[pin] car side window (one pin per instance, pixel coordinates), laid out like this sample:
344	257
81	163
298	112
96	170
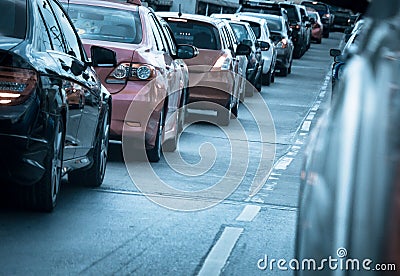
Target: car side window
56	35
43	42
223	38
160	43
71	41
170	39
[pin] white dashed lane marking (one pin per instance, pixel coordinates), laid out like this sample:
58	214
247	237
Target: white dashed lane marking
249	213
220	252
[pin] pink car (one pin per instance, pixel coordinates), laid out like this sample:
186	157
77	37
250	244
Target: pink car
214	73
317	26
149	75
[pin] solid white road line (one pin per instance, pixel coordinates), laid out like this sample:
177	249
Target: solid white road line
220	252
249	213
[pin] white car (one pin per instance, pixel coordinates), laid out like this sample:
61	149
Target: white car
261	30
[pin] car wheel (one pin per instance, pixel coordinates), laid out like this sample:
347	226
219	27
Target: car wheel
182	113
319	40
235	110
273	77
284	72
171	144
266	78
46	190
290	67
93	176
224	114
155	153
258	84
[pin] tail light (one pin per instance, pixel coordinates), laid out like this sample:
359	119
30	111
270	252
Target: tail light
223	63
132	72
16	85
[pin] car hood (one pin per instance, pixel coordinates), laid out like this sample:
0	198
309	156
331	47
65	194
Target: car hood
7	43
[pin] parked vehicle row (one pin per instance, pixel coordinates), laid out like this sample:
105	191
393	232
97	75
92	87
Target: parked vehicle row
71	73
295	15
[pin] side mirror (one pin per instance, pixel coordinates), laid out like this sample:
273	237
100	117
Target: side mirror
243	50
335	53
312	20
103	57
264	45
186	51
289	32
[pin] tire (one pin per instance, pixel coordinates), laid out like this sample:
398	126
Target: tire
273	77
45	192
170	145
235	110
182	113
266	78
93	176
284	72
319	41
154	154
258	84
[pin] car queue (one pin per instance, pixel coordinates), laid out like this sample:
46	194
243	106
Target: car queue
70	74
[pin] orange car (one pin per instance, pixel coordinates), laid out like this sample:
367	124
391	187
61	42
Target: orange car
149	73
214	72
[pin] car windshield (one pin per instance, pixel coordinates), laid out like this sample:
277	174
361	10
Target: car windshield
256	29
260	10
199	34
13	18
240	31
321	9
313	15
107	24
274	25
292	14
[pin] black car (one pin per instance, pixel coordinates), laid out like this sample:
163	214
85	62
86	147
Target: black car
324	12
342	18
54	113
264	7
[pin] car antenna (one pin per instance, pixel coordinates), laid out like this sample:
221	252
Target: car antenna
180	10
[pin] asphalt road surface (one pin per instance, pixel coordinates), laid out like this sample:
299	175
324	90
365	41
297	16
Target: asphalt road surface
116	229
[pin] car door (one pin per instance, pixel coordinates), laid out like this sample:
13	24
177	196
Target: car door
171	74
79	84
235	62
182	73
84	81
